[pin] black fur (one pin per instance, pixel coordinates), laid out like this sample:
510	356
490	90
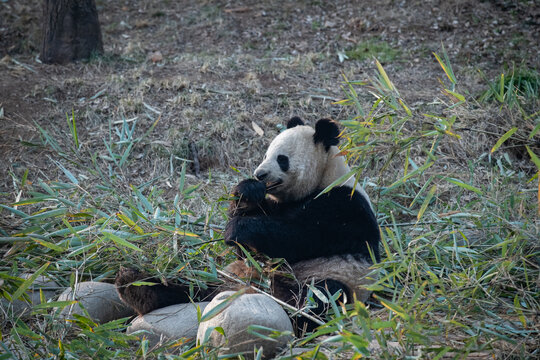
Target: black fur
335	223
283	162
144	299
326	132
294	121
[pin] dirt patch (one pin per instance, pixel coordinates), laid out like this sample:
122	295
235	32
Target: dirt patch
226	66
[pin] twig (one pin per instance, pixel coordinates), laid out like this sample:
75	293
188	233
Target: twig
27	67
282	303
196	164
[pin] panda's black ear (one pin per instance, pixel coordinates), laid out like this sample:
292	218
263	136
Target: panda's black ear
326	132
295	121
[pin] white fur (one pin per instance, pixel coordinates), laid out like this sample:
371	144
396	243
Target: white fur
346	269
311	167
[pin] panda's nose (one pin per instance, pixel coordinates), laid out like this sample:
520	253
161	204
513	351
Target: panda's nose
260	174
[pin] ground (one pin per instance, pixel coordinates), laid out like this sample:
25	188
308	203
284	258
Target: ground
223	75
204	86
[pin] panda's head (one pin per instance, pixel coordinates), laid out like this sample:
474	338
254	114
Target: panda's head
301	160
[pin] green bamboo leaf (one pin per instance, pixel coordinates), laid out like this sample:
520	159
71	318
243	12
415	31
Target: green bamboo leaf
385	77
48	214
503	138
26	284
143	199
456	95
14	211
533	156
426	201
464	185
53	304
337	182
24	178
144	283
251	259
222	305
517	308
534	131
73	128
48	244
394	307
119	241
130	223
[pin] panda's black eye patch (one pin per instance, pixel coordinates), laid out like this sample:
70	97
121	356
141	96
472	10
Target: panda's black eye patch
283	162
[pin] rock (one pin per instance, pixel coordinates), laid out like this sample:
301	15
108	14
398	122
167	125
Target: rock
100	300
246	310
48	288
171	322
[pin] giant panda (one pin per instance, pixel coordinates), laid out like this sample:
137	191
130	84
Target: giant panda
328	240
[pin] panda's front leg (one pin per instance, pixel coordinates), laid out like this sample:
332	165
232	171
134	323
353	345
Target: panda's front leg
274	237
249	199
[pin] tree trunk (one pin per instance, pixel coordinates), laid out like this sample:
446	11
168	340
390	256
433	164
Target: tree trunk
70	31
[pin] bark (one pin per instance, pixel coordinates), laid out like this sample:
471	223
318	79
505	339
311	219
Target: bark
70	31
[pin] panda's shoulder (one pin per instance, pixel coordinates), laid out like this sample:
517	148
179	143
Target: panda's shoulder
345	193
340	198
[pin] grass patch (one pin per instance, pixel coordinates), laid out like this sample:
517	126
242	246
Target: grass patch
371	49
519	86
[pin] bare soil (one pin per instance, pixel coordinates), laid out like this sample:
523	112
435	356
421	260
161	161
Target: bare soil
219	74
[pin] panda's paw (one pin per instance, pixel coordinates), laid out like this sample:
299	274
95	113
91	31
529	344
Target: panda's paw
250	190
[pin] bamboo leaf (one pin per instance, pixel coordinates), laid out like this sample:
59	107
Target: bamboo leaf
533	156
464	185
48	244
130	223
426	201
251	259
341	180
222	305
119	241
394	307
517	307
28	282
385	77
503	138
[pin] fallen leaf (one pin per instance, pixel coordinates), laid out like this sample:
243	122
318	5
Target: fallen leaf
156	57
257	129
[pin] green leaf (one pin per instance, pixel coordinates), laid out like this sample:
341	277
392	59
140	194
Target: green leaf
73	128
48	214
48	244
53	304
386	80
337	182
394	307
517	308
119	241
464	185
533	156
222	305
14	211
251	259
26	284
503	139
426	201
144	283
130	223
